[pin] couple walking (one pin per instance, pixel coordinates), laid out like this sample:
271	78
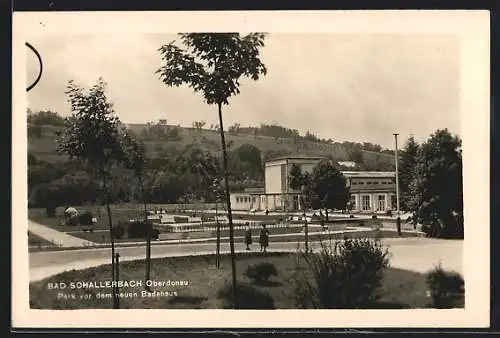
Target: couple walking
263	238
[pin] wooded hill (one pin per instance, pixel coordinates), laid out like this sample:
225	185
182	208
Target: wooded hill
162	139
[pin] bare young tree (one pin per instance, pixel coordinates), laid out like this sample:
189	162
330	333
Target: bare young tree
92	134
213	64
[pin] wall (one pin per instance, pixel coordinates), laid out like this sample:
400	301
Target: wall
273	178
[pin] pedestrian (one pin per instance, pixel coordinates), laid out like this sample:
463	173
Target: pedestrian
267	211
248	235
264	238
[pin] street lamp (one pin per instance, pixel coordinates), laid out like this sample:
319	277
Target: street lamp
398	219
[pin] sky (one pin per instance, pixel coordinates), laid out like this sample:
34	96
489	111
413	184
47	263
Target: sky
347	87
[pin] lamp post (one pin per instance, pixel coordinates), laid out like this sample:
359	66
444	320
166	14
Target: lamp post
398	219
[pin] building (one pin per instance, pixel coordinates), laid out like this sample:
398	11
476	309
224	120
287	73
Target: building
349	164
371	191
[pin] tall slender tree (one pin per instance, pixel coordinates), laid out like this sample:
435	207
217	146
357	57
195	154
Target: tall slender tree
213	64
302	181
407	165
92	134
209	169
136	160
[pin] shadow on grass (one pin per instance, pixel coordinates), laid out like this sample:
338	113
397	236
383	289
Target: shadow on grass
268	283
191	300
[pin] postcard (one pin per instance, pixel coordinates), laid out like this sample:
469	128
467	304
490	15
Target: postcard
329	166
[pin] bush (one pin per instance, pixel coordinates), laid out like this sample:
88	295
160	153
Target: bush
249	297
118	232
73	221
140	229
345	274
446	288
388	213
85	218
260	273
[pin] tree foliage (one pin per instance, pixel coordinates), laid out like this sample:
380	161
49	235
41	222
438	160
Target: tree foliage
92	132
437	187
330	186
407	165
212	63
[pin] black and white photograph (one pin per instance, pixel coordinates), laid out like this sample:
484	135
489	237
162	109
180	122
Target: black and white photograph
252	167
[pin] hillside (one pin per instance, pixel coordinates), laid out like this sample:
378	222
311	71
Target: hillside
43	144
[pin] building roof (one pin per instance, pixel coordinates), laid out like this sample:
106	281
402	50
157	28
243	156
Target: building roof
369	174
297	157
254	190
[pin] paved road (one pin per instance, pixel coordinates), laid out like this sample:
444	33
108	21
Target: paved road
417	254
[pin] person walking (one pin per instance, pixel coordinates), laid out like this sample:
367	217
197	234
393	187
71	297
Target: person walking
264	238
248	235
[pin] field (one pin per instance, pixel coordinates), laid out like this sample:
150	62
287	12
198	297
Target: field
400	288
44	147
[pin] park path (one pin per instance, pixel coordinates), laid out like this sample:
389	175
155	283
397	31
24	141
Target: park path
57	237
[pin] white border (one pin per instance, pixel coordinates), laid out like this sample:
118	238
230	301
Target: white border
473	29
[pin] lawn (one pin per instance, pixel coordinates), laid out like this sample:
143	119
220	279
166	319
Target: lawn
400	288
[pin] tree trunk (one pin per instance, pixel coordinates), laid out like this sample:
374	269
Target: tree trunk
148	240
228	203
326	215
110	225
217	251
306	234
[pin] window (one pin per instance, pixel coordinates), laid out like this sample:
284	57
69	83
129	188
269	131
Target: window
353	202
366	202
381	203
369	182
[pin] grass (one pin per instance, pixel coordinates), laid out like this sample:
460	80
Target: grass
400	289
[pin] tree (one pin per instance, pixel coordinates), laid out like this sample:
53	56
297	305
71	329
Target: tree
211	181
92	134
302	181
45	118
329	185
213	64
136	161
355	155
437	187
198	125
407	164
249	157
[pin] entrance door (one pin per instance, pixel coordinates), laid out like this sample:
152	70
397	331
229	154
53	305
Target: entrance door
381	203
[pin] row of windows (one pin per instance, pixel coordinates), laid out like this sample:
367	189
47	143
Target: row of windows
366	202
248	199
371	182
